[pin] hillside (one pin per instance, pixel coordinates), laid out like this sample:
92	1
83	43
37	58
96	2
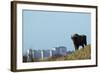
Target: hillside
82	53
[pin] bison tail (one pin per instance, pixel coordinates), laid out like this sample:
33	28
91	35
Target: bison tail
85	40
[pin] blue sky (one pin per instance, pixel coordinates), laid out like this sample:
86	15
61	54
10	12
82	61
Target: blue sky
48	29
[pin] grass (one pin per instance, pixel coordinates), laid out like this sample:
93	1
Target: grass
83	53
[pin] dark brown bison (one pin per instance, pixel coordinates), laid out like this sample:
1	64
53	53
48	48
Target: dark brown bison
79	40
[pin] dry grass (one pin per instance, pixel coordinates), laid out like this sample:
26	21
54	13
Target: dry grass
83	53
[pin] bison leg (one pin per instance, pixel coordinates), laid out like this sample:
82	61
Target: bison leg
83	45
85	42
76	47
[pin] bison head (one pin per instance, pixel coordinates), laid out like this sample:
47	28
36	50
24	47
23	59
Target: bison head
75	36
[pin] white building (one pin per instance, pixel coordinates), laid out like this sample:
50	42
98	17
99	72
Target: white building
29	55
41	54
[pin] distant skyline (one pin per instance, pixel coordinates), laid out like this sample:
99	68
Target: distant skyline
49	29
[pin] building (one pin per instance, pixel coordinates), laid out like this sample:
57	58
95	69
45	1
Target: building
41	54
61	50
46	53
29	55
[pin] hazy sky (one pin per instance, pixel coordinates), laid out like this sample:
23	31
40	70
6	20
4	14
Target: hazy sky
46	29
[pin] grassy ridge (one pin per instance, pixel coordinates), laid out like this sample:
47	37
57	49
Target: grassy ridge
83	53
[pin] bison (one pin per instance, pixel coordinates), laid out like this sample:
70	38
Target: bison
79	40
